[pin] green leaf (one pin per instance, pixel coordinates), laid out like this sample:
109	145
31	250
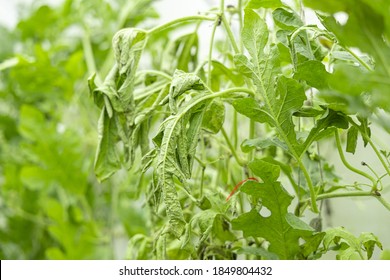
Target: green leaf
251	188
182	148
54	253
298	49
179	133
308	112
108	90
261	143
278	111
204	219
312	243
9	63
352	137
253	110
351	244
254	35
182	82
366	28
106	159
139	247
116	93
214	117
258	251
268	172
313	72
369	242
128	45
385	255
329	120
381	7
281	96
365	128
286	168
221	74
30	121
287	20
349	79
167	167
181	53
221	228
188	58
297	223
331	6
367	36
204	203
256	4
243	65
283	238
195	123
40	23
34	177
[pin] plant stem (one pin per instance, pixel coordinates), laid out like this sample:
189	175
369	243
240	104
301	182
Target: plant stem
345	194
383	201
233	151
235	129
306	27
202	182
155	72
251	136
359	59
177	21
216	23
89	57
368	139
236	89
310	185
353	194
200	66
378	154
230	34
149	90
350	167
368	67
222	6
187	193
240	23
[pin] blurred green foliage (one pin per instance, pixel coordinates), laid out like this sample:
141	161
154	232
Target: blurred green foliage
51	206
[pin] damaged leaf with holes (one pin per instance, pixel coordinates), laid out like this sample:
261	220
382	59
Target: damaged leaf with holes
280	229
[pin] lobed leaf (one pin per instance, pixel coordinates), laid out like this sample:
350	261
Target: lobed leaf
276	229
281	96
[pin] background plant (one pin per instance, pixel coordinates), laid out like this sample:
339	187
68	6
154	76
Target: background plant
184	126
51	206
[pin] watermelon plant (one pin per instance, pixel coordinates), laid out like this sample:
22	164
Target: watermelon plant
232	133
229	147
